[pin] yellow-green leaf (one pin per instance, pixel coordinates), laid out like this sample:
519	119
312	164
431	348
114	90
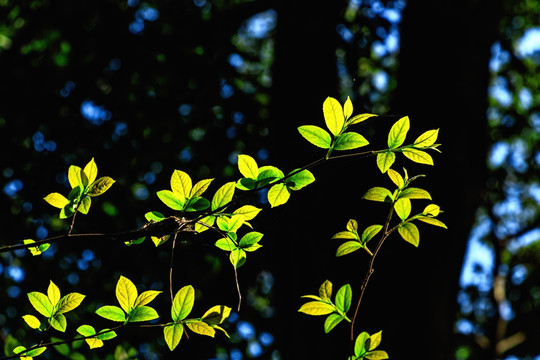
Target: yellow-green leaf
348	108
41	303
59	322
101	185
345	235
348	247
90	171
216	314
278	194
418	156
201	328
224	195
403	208
75	177
331	321
248	166
415	193
84	205
333	115
427	139
370	232
183	303
385	160
378	194
142	313
181	184
432	221
94	343
57	200
32	321
325	290
53	292
146	297
173	335
316	135
431	210
349	141
126	293
375	340
359	118
396	178
69	302
398	132
352	225
200	187
113	313
409	232
377	355
316	308
247	211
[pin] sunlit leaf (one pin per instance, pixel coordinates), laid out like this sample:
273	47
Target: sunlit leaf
75	177
183	303
58	322
250	239
223	196
344	298
53	293
347	108
106	334
113	313
378	194
352	225
360	344
154	216
409	232
385	160
201	328
427	139
90	171
348	247
248	166
84	205
333	115
370	232
345	235
377	355
146	297
300	179
226	244
142	313
200	187
173	335
398	132
126	293
57	200
36	250
325	290
100	186
181	184
278	194
268	174
359	118
396	178
316	308
316	135
414	193
197	204
375	340
237	257
349	141
418	156
69	302
32	321
247	211
331	321
171	199
204	223
432	221
403	208
41	303
431	210
216	314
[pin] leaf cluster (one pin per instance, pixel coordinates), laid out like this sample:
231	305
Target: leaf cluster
365	347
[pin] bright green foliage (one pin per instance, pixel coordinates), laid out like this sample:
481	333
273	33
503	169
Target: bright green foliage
337	120
184	196
355	241
206	325
248	243
36	250
95	339
365	345
29	354
53	307
401	203
132	305
84	186
280	193
322	305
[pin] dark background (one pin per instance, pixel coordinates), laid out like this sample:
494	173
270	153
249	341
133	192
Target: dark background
149	87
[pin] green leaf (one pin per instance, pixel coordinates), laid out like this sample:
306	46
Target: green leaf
154	216
359	118
201	328
100	186
316	308
249	212
113	313
250	239
171	199
226	244
268	174
90	171
181	184
432	221
248	166
427	139
348	247
173	335
208	221
53	293
126	293
378	194
146	297
403	208
331	321
183	303
409	232
197	204
345	235
216	314
246	184
237	257
300	179
377	355
57	200
344	298
414	193
84	205
333	115
431	210
370	232
86	330
200	187
69	302
106	334
360	344
375	340
385	160
36	250
278	194
316	135
142	313
348	108
418	156
352	225
41	303
223	196
398	132
32	321
396	178
31	353
325	290
59	322
349	141
75	177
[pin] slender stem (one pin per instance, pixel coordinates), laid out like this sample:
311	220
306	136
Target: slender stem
171	268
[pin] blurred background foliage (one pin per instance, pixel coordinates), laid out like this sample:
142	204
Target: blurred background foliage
147	87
